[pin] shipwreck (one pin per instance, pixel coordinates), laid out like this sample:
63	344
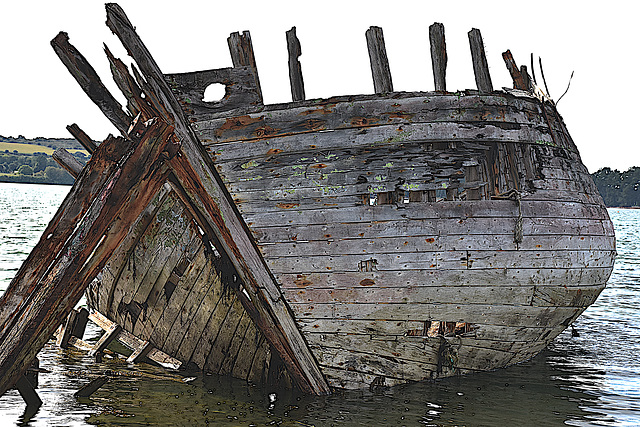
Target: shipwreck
350	242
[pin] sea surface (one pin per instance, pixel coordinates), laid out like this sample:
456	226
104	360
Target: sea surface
584	380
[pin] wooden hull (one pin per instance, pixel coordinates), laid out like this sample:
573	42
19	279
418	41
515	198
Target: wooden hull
414	236
357	241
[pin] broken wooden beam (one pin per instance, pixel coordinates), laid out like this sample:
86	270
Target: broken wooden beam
91	387
479	59
82	138
109	335
295	69
379	62
89	81
516	74
140	347
242	55
438	56
68	162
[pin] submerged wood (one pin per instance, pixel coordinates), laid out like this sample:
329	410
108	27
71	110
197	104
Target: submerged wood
349	242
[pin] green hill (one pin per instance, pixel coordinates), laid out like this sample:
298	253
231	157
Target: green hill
29	160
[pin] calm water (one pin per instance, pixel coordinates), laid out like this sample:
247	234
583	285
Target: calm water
592	379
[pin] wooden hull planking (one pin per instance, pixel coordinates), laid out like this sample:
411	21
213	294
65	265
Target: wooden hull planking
351	242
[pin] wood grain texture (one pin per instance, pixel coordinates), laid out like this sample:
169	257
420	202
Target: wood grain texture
379	63
438	56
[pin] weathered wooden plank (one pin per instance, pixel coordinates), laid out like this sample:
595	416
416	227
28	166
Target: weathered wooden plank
82	138
446	260
134	343
501	315
471	277
187	284
212	311
430	243
207	281
558	233
391	330
101	292
91	387
377	137
241	92
226	331
438	56
480	65
380	71
170	283
295	70
204	341
139	352
326	115
67	161
237	346
28	392
153	284
89	81
199	178
64	333
520	295
500	210
109	335
260	364
138	262
249	347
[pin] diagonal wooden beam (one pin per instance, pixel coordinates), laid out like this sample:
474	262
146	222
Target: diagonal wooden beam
205	191
89	81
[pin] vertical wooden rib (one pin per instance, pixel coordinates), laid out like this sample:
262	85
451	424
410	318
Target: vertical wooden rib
480	65
241	50
438	56
379	62
295	70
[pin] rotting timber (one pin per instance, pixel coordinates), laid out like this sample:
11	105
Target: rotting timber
356	241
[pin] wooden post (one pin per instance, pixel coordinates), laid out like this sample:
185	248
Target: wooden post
516	75
241	50
82	138
68	162
480	65
295	70
89	81
28	392
379	62
438	56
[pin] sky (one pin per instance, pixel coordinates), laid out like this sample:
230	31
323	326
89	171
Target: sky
595	40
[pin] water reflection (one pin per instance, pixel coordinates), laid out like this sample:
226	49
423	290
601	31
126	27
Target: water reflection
589	379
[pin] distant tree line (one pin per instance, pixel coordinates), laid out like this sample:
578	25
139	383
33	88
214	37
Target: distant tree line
37	168
619	189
